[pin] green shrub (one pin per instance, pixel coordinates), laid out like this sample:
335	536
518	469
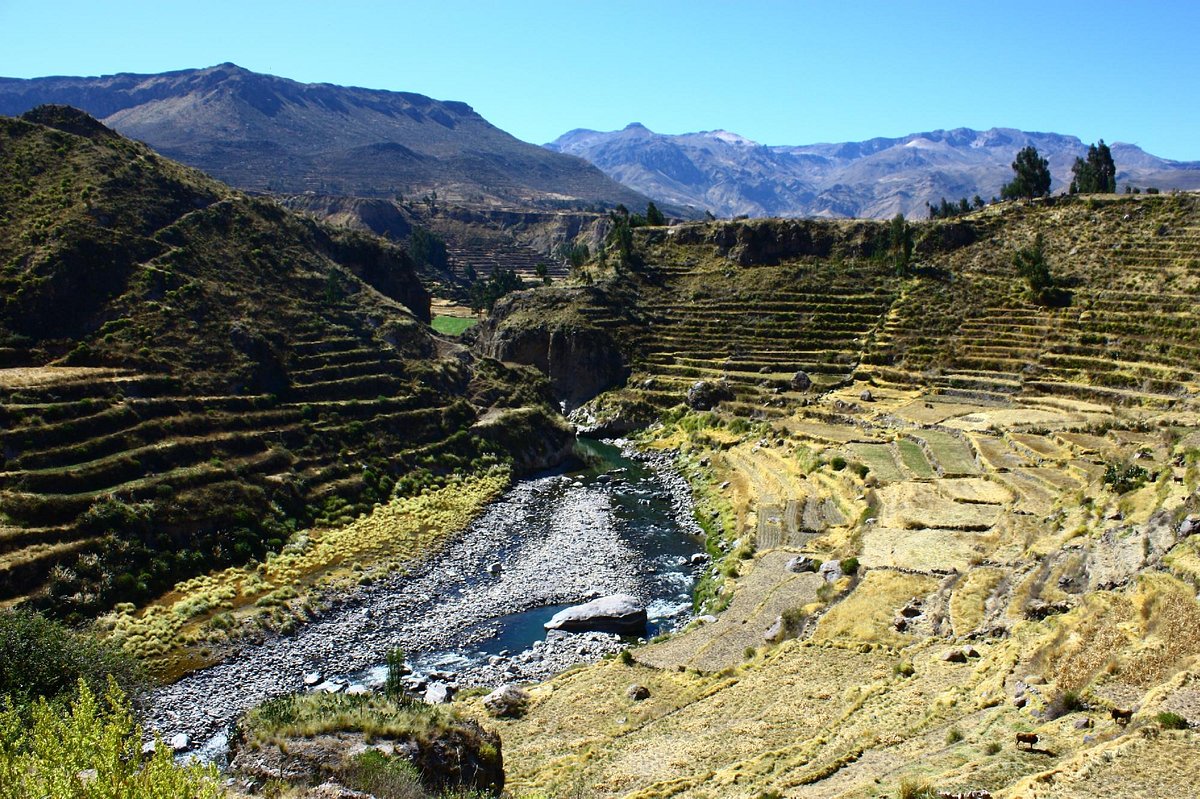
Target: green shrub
51	755
44	659
1064	703
626	657
953	736
903	669
396	669
1171	721
1123	479
849	566
837	463
384	777
991	748
749	652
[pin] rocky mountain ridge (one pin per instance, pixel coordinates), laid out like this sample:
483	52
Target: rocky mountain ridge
265	133
730	175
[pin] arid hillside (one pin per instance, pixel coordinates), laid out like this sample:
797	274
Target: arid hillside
190	375
942	514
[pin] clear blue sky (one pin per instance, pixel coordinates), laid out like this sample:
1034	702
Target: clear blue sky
776	72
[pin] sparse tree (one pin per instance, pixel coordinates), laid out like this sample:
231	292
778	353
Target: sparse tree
1031	176
900	243
654	216
1031	264
542	272
1097	174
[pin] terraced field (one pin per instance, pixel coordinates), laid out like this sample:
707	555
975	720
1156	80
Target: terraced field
982	519
78	442
189	377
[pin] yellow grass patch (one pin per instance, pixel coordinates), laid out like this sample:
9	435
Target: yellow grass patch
866	614
404	529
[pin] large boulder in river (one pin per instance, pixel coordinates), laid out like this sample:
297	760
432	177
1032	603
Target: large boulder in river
619	613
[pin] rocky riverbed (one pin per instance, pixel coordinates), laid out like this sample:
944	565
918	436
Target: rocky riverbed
471	614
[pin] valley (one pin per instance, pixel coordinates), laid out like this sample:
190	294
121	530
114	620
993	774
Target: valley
975	519
906	516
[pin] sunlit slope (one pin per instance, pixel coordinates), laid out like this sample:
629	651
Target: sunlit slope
1003	497
191	373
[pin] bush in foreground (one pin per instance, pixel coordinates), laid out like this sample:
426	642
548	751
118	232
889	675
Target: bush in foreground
90	750
41	658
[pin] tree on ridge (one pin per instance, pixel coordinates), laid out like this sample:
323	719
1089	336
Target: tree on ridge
1031	176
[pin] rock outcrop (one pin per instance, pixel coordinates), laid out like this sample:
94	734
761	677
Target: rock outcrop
619	613
544	330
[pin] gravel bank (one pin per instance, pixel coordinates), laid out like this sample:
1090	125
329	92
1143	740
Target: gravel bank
559	540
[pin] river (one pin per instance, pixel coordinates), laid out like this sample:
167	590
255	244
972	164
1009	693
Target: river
622	524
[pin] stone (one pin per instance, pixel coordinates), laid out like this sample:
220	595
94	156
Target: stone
801	563
1084	723
507	701
970	651
704	395
1038	609
619	613
149	748
774	633
180	742
312	678
707	618
830	570
866	395
1020	701
357	689
438	693
911	610
495	568
801	381
330	687
637	692
699	559
1189	526
954	656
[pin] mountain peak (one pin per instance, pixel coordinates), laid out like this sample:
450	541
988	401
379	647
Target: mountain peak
730	138
731	175
269	133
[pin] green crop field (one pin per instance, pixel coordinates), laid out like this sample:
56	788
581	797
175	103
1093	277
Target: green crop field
453	325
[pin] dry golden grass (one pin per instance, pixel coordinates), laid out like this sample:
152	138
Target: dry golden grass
201	609
839	714
866	614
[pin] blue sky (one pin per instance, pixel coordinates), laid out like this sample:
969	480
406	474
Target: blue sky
776	72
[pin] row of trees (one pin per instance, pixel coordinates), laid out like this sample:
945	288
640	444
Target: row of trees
1097	174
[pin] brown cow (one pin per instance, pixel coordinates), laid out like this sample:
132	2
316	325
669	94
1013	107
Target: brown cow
1029	738
1122	717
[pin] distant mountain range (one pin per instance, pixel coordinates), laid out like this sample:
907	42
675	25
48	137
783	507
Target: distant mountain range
265	133
729	175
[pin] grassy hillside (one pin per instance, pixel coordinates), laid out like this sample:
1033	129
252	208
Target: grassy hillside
1002	497
191	374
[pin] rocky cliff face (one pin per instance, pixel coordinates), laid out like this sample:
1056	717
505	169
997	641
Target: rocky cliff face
543	329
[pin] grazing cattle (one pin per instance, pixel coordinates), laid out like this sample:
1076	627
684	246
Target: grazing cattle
1122	717
1028	738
